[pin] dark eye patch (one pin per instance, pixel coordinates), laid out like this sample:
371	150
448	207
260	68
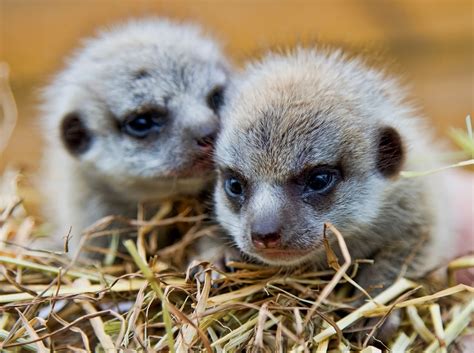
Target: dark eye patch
75	135
140	74
320	180
145	122
235	187
215	98
315	185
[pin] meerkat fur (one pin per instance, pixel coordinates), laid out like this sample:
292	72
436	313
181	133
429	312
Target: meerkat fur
130	120
293	121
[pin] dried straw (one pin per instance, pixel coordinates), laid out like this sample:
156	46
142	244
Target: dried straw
49	302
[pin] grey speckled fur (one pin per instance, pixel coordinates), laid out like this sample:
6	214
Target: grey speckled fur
125	69
308	108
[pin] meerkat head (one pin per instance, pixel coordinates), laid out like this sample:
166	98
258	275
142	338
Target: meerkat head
307	138
138	106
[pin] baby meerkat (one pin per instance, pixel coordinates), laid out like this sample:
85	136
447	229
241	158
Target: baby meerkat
312	137
131	119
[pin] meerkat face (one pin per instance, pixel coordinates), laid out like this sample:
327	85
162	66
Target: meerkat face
303	144
139	106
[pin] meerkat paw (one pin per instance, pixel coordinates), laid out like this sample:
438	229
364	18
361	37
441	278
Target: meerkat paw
198	267
211	256
197	271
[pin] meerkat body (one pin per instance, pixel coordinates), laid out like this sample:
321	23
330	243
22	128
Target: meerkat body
131	119
313	137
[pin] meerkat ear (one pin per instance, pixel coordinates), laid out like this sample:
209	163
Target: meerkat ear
74	134
390	152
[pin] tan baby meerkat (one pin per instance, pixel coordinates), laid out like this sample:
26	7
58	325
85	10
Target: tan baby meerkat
311	137
131	119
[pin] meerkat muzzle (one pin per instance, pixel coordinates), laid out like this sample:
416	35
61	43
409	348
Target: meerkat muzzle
266	241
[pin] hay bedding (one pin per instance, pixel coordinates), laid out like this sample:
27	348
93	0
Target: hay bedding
50	302
138	299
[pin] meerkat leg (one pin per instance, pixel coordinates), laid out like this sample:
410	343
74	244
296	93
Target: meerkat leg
389	264
214	251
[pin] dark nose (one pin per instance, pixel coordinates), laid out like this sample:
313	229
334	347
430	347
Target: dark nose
266	233
204	134
206	142
266	241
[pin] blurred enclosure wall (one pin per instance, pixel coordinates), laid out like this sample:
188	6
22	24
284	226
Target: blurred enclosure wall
429	43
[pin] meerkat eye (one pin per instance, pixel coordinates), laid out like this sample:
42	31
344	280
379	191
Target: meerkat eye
234	187
140	125
322	180
215	98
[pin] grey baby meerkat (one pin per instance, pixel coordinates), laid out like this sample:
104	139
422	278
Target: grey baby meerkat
311	137
131	119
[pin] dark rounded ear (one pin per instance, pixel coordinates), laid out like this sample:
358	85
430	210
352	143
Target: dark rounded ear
74	134
390	152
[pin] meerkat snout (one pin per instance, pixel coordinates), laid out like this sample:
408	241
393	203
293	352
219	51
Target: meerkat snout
266	240
132	118
204	134
313	137
265	231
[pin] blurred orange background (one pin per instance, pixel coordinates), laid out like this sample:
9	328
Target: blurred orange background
428	43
